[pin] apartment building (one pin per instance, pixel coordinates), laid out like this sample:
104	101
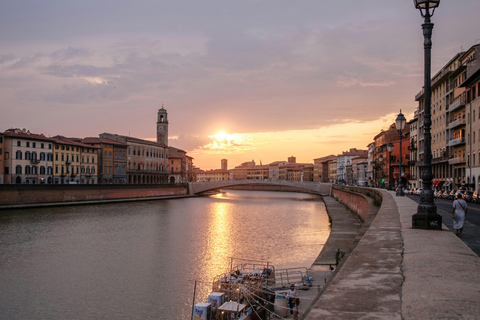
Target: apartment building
472	91
147	161
320	168
2	158
27	157
413	151
448	115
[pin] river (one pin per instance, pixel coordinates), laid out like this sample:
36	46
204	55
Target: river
140	260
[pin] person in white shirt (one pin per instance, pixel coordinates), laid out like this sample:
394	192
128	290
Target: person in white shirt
291	296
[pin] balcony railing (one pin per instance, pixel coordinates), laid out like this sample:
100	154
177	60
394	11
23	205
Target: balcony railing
457	123
456	142
34	161
440	159
457	103
69	161
456	160
418	95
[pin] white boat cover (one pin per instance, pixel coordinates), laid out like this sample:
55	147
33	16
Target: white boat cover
232	306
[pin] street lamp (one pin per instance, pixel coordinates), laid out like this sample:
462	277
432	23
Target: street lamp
365	172
400	123
427	216
390	148
380	160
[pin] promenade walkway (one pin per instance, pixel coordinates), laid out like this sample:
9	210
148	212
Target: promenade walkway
396	272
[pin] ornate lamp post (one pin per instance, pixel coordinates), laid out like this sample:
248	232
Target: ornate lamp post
400	123
380	160
365	172
390	148
427	216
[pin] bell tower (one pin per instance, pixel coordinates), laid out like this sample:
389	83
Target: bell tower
162	126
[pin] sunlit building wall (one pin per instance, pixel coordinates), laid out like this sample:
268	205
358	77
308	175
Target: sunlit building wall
472	86
27	157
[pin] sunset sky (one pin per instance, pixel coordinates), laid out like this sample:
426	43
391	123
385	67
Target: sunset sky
278	78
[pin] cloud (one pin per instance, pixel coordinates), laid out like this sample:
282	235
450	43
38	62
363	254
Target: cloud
351	81
70	53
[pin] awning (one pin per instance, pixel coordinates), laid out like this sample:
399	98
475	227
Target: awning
232	306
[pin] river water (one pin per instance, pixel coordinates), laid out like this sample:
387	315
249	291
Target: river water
140	260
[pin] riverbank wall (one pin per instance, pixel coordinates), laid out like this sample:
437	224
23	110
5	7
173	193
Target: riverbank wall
11	195
358	200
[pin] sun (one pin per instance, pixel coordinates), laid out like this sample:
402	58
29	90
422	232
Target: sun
221	136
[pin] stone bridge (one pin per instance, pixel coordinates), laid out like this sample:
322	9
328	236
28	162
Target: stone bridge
321	188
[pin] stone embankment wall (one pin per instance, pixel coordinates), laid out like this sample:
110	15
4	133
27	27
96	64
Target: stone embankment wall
36	194
357	199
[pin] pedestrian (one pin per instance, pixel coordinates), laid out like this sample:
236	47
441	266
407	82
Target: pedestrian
291	296
295	312
459	213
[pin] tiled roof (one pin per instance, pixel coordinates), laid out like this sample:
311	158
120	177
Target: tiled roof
101	140
26	134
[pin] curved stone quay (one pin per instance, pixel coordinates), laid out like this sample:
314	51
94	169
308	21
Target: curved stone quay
396	272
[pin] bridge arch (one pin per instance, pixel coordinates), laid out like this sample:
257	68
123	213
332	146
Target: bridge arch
325	189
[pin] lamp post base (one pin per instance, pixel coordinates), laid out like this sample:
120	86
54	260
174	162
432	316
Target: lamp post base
431	221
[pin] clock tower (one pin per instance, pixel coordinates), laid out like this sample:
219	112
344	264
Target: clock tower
162	126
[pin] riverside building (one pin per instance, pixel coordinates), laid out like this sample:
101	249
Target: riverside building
26	157
472	88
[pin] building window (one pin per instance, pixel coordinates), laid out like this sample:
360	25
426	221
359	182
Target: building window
28	144
18	155
19	143
34	144
18	169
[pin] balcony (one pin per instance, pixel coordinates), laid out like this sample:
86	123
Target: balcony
69	162
34	161
419	95
457	103
457	123
456	142
440	160
456	160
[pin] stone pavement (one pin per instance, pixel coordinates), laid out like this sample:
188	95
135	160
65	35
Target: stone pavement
396	272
